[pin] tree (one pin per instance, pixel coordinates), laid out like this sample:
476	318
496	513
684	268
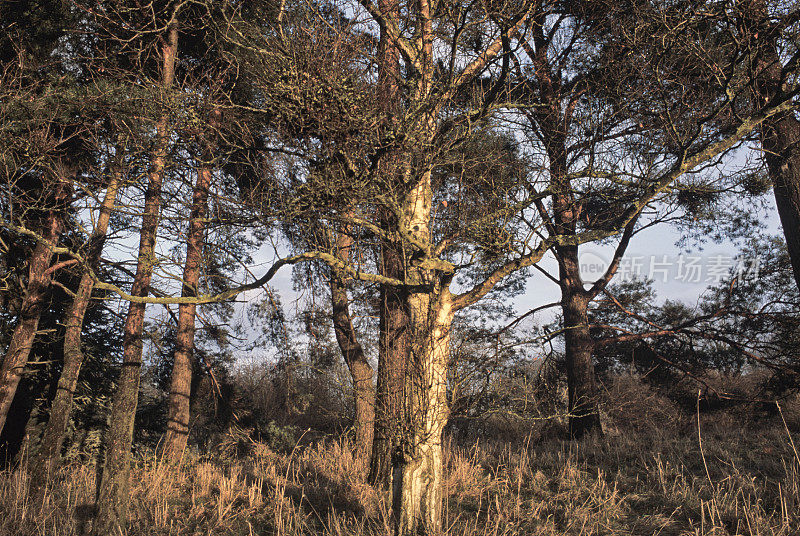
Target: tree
112	498
42	156
745	323
763	28
180	390
61	408
607	108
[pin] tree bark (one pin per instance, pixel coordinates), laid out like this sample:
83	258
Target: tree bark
353	353
393	342
584	415
33	303
780	134
418	473
417	468
780	139
113	492
49	454
393	350
181	385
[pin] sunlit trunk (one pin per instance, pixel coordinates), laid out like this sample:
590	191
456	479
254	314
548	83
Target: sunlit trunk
181	384
49	453
418	473
113	492
417	468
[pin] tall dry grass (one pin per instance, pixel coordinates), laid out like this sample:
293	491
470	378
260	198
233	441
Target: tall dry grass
730	479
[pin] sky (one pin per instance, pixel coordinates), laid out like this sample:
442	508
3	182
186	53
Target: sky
678	273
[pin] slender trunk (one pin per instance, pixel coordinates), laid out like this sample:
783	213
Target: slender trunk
584	416
39	277
49	454
180	389
353	353
360	369
393	350
780	134
113	492
393	343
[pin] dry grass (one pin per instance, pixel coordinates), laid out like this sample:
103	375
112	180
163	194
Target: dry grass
634	483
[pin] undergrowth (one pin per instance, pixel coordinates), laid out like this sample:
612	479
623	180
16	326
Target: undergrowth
723	483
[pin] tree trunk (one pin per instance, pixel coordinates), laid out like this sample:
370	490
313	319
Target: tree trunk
780	139
393	350
39	277
418	473
417	469
584	416
780	134
113	492
49	454
554	124
360	369
180	389
393	342
353	353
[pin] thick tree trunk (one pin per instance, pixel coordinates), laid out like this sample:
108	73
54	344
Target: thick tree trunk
584	416
49	454
780	134
180	389
780	139
353	353
417	469
39	277
393	343
113	492
418	474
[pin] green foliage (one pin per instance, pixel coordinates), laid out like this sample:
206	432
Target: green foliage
281	438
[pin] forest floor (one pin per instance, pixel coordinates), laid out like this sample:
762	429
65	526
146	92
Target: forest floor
736	476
